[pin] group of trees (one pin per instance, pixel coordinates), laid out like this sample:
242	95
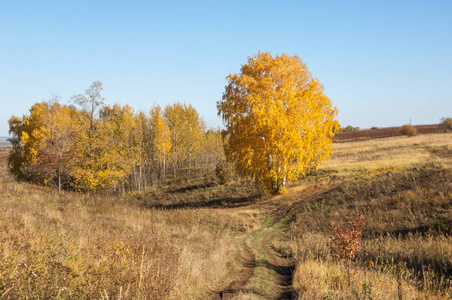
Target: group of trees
279	126
348	128
91	146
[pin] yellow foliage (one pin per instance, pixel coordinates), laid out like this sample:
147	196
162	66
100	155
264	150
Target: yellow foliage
161	134
42	142
279	123
91	146
187	132
105	141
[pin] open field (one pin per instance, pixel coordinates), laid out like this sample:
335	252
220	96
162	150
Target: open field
404	185
3	157
4	143
204	240
378	133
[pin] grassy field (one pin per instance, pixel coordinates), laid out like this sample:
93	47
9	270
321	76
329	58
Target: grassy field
3	157
4	143
404	185
203	240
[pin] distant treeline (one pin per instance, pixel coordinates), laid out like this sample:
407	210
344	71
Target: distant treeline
90	146
348	128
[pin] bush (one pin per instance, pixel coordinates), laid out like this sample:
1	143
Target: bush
225	171
349	129
408	130
446	124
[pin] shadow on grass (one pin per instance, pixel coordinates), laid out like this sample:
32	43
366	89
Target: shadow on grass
285	274
441	226
437	269
207	194
226	202
194	187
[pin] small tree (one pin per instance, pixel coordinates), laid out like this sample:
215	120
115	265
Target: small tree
43	148
349	128
346	240
446	124
408	130
224	171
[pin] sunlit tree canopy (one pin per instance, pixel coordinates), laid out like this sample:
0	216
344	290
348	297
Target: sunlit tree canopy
279	123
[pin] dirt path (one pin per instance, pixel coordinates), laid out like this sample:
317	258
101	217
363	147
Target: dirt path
284	266
267	264
266	273
248	262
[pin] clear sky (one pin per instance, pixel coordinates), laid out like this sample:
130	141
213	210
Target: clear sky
381	62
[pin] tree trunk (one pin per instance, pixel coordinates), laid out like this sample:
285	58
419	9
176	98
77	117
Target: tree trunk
348	271
59	181
59	172
141	178
164	168
189	165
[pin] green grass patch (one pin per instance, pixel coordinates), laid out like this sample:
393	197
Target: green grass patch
268	221
287	219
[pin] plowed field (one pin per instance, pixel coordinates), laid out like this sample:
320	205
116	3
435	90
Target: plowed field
378	133
3	157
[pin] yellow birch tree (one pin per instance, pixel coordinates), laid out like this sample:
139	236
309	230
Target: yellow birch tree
279	123
187	130
56	155
161	138
94	169
122	142
43	144
28	134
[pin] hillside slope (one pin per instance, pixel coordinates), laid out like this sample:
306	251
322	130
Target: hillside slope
204	240
403	186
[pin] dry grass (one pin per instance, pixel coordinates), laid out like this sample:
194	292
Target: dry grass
3	157
319	276
328	280
397	152
405	186
184	241
78	246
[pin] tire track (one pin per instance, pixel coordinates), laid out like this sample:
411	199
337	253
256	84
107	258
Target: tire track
284	267
248	262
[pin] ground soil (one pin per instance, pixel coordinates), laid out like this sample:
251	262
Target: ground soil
284	266
248	262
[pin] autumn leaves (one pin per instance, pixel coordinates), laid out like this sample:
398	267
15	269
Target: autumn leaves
279	123
279	126
90	146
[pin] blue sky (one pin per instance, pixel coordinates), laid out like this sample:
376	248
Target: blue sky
381	62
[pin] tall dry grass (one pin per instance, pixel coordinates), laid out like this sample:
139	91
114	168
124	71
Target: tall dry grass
73	246
183	241
404	185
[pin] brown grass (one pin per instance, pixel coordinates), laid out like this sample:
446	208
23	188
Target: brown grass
4	157
404	185
185	241
78	246
380	133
